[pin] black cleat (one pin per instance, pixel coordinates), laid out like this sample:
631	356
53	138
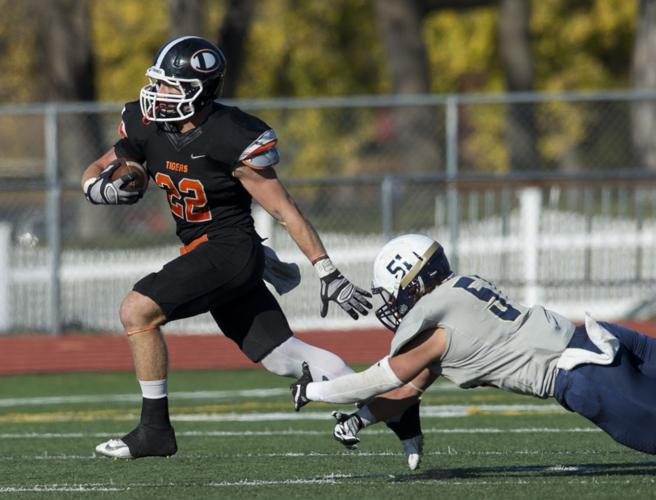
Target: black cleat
143	441
298	388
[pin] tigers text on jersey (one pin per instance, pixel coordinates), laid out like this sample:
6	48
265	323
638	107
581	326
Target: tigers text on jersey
195	168
490	341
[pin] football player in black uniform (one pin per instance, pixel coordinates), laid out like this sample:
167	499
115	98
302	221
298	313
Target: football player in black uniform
211	160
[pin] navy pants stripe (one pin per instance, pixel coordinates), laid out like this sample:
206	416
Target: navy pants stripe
620	398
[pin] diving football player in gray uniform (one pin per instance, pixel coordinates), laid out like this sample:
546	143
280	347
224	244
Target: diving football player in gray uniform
464	328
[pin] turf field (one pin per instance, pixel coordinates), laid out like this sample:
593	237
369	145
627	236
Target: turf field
238	437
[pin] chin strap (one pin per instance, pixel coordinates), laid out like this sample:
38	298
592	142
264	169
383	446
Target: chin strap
134	331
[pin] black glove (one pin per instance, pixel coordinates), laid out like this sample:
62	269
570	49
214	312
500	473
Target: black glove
337	288
298	388
346	429
102	190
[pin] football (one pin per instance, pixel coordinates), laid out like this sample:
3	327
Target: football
140	183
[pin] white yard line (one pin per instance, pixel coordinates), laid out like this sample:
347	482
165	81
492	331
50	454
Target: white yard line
245	433
427	411
52	488
135	397
114	398
329	479
47	488
313	454
436	411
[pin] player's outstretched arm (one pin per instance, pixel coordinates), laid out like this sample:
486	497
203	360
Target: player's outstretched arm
265	188
422	352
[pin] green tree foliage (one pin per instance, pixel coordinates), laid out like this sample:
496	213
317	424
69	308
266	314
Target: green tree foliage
583	44
462	51
311	48
577	45
126	35
464	58
17	45
315	49
300	48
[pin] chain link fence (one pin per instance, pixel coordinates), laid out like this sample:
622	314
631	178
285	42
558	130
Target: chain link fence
546	194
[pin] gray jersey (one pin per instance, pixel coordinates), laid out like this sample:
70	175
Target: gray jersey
491	341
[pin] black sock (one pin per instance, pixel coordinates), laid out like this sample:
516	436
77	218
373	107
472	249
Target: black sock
409	425
154	436
155	413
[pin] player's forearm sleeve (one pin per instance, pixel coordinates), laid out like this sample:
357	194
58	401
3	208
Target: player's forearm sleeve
376	379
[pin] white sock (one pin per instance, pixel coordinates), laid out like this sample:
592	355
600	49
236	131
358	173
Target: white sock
154	389
287	358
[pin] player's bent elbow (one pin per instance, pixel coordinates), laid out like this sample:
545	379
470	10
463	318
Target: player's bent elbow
407	391
406	367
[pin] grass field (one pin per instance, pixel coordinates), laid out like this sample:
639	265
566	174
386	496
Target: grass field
238	437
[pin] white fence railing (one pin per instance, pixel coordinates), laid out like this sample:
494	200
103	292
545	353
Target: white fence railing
547	256
571	245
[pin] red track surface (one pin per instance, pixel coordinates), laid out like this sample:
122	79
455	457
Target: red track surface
44	354
47	354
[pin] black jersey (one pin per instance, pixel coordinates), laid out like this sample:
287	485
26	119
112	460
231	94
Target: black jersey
195	168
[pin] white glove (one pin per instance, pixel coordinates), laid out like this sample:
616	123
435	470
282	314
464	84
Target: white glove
336	288
346	428
102	190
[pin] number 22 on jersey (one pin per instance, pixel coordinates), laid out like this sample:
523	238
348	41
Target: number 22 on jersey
187	200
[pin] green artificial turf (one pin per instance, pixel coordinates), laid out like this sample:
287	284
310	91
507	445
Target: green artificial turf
239	444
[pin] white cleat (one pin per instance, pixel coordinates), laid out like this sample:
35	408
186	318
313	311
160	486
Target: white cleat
413	448
413	461
114	448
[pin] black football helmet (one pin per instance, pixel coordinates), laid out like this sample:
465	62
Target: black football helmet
192	65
